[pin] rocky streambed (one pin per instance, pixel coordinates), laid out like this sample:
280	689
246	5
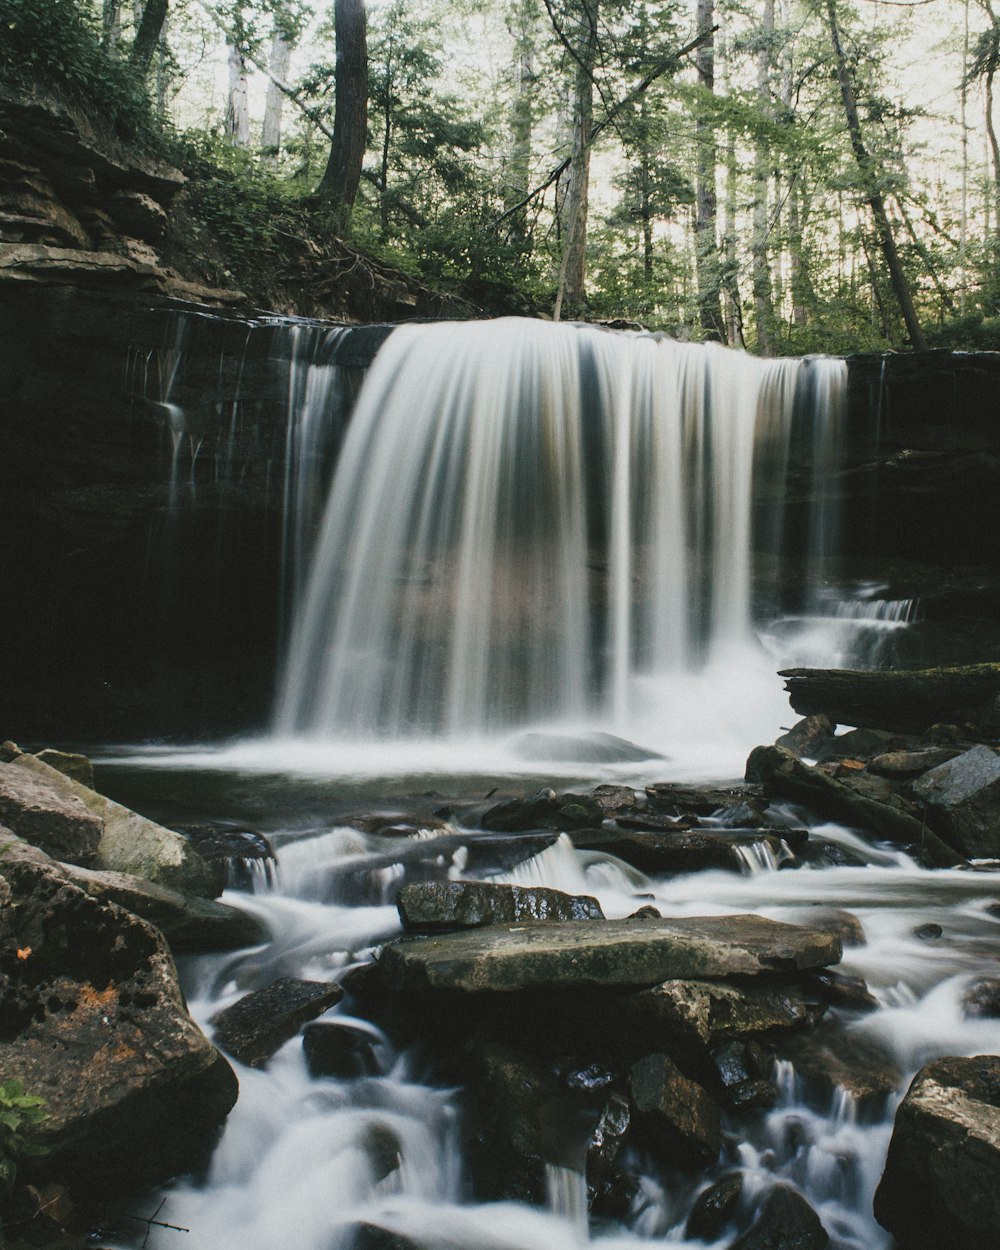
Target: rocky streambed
660	1011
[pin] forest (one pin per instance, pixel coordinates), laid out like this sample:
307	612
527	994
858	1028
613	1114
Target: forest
790	176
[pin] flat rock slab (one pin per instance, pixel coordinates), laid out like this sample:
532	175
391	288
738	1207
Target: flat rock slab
252	1029
432	906
610	954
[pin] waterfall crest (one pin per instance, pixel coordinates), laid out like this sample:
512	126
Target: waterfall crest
527	519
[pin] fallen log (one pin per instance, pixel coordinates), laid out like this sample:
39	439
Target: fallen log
902	700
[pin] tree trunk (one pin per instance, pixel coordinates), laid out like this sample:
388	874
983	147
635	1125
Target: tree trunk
522	25
338	188
274	102
705	230
763	295
147	37
902	701
573	270
873	195
237	120
111	23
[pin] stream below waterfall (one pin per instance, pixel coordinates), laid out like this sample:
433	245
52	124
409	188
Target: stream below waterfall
299	1163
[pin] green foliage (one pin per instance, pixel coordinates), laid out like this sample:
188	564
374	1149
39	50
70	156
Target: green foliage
240	199
18	1113
56	44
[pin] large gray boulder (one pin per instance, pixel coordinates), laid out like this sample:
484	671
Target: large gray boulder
128	842
52	818
962	800
941	1184
93	1021
623	954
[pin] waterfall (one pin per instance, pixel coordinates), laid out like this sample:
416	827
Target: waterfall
529	521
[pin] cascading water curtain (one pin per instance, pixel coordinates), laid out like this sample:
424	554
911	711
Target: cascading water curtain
526	517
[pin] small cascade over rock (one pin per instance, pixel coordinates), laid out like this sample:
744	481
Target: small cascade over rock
529	520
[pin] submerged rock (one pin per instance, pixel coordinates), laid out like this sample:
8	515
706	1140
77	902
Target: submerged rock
714	1208
335	1049
588	748
431	906
252	1029
940	1186
689	851
92	1020
786	1222
830	1058
613	953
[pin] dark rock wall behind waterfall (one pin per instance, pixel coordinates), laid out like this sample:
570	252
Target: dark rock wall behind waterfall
137	606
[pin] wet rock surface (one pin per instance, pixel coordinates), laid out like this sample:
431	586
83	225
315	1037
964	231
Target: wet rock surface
786	1222
252	1029
92	1020
678	1120
939	1187
962	799
49	817
622	953
427	907
129	842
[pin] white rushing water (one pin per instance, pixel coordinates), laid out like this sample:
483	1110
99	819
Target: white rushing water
536	523
304	1161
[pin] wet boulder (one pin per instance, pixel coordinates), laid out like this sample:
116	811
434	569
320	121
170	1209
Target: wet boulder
611	954
335	1049
93	1021
71	763
939	1187
683	851
433	906
187	921
256	1026
587	748
807	737
907	765
962	801
787	777
524	1120
714	1208
243	854
707	1011
47	816
129	842
676	799
829	1058
786	1222
675	1118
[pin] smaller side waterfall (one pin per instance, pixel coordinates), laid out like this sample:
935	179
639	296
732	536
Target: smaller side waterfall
528	519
